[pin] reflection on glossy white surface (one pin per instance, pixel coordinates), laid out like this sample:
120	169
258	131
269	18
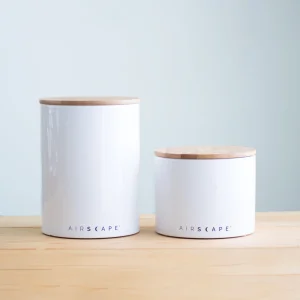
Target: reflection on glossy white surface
205	198
90	166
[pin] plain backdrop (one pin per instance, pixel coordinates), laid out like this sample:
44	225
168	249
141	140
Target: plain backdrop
207	73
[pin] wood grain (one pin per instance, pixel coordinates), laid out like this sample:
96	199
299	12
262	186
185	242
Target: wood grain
89	101
265	265
205	152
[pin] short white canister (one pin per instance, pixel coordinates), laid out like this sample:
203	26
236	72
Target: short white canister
90	166
205	192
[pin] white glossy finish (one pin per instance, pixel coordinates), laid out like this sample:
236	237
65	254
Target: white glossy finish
208	198
90	166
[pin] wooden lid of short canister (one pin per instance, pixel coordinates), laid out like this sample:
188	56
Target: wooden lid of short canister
205	152
90	101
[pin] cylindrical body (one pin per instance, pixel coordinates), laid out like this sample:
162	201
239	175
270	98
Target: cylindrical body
90	166
205	197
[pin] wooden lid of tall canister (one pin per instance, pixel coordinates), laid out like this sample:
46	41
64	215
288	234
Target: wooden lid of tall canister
89	101
205	152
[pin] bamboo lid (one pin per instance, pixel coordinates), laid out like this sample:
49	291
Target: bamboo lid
205	152
89	101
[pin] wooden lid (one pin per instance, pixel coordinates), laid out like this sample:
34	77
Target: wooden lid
205	152
88	101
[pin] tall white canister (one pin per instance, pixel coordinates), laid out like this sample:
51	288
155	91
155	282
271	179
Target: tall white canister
205	192
90	166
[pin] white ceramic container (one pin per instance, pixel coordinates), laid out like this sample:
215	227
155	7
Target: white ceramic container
205	192
90	165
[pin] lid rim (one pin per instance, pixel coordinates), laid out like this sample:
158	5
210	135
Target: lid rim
205	152
89	101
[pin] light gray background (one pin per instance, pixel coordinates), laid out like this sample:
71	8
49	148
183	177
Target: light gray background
208	72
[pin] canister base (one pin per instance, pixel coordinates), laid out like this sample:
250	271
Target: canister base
88	237
204	238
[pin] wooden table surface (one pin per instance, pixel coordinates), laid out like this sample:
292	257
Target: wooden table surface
265	265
